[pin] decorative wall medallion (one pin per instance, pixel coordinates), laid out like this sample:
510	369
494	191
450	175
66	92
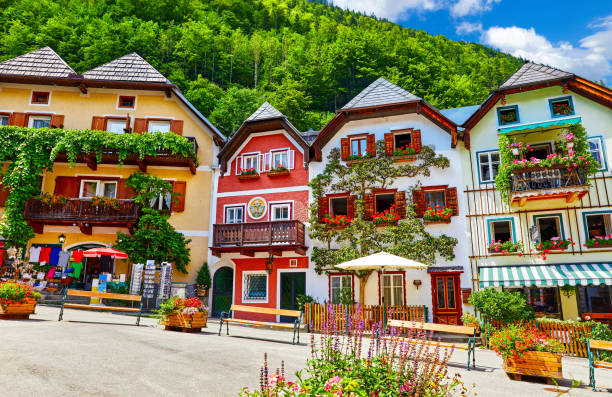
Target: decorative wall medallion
257	208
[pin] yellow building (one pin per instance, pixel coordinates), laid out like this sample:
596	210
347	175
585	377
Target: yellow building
126	95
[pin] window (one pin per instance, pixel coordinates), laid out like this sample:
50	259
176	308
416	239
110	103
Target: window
508	115
280	159
384	202
338	206
402	141
560	107
435	198
488	165
595	299
249	162
280	212
255	287
549	227
598	224
234	214
539	151
543	300
501	230
39	121
40	98
158	126
127	102
597	151
163	202
393	289
4	118
445	292
116	126
91	188
359	146
341	285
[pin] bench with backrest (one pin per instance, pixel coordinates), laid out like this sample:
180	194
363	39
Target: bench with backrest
451	329
226	317
593	347
101	295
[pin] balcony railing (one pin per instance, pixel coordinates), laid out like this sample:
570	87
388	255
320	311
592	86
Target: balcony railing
554	181
259	236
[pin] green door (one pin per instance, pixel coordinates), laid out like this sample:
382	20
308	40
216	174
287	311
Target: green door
223	287
292	285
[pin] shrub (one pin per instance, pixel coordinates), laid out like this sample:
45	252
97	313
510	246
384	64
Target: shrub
203	278
516	339
502	306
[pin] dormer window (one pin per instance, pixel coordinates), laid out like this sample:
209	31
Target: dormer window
561	107
127	102
508	115
40	98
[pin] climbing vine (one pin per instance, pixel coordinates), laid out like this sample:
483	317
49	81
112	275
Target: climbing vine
31	152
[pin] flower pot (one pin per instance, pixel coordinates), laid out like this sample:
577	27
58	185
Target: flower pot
534	363
203	292
18	311
185	322
515	151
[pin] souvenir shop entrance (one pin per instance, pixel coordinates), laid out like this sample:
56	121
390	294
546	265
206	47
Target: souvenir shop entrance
91	267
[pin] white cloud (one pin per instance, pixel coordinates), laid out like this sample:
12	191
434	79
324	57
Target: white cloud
468	27
393	10
470	7
591	59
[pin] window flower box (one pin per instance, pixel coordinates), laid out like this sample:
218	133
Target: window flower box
336	221
278	171
251	173
357	158
554	244
506	248
386	218
599	242
437	215
404	154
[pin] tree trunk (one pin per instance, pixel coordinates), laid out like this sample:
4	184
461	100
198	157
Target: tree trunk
363	279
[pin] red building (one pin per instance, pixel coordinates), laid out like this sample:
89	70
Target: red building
259	236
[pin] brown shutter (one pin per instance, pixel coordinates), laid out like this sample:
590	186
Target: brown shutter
389	143
124	191
323	206
176	126
98	123
419	200
67	186
178	195
451	200
416	140
351	206
344	148
57	121
369	205
18	119
400	204
127	125
4	192
372	144
140	126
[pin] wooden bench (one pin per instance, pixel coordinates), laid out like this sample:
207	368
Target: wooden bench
451	329
226	317
594	346
102	295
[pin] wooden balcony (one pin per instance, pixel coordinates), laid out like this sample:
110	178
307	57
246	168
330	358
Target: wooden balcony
536	183
80	212
248	238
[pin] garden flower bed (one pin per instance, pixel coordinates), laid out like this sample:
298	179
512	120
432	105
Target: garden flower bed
17	301
186	315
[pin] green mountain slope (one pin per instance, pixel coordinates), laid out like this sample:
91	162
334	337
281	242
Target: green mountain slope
306	58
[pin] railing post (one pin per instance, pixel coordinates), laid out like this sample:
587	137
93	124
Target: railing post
241	234
424	313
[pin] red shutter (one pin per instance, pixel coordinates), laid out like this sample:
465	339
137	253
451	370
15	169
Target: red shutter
176	126
416	140
178	195
124	191
344	148
323	206
351	206
418	196
140	126
451	200
67	186
18	119
369	206
4	192
400	204
57	121
389	144
98	123
371	144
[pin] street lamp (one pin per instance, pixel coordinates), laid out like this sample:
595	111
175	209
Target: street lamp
62	238
270	264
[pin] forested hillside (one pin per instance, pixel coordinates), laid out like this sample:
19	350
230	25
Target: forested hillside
306	58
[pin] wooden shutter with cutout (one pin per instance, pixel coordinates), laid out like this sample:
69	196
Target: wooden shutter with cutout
178	195
323	207
368	202
400	204
351	206
418	196
4	192
124	191
57	121
451	199
67	186
389	143
371	144
416	140
344	148
176	126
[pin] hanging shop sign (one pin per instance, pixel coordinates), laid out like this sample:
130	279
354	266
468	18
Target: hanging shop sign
257	208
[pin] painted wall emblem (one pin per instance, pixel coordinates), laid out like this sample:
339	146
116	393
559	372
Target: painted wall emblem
257	208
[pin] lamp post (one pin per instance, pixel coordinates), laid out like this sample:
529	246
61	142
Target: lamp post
270	264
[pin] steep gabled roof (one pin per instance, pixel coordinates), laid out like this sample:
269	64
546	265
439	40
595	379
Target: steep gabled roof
380	92
131	67
533	73
43	62
265	111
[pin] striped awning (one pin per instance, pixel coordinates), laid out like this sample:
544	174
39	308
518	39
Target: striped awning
546	275
539	126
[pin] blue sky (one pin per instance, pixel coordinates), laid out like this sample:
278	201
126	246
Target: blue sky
575	36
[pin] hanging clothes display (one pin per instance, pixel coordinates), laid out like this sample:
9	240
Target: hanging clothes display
45	252
78	268
34	254
77	255
63	259
106	264
54	255
51	273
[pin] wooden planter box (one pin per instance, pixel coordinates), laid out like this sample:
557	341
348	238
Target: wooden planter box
18	311
404	158
543	364
278	173
186	322
357	161
427	222
243	177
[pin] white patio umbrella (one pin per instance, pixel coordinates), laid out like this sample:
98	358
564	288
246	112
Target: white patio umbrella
381	261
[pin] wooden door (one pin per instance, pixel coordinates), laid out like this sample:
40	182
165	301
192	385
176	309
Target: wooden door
223	287
446	298
292	284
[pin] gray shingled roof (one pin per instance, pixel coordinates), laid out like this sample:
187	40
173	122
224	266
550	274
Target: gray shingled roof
43	62
265	111
310	135
380	92
459	115
531	73
131	67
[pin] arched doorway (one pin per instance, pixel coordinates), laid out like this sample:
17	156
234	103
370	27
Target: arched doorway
223	288
91	266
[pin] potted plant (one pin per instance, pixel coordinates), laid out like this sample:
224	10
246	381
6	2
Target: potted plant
17	301
103	201
528	351
336	220
279	170
506	247
186	315
386	217
203	280
405	153
470	320
51	200
250	173
438	214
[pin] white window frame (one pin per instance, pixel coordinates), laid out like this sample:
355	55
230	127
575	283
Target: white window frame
342	286
601	150
278	152
8	117
153	122
392	287
246	157
231	207
32	118
160	200
489	163
99	186
111	120
245	275
287	205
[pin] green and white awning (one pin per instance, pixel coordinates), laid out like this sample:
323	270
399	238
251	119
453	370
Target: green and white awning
546	275
540	126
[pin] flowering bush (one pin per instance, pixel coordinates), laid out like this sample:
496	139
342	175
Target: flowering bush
367	155
404	150
15	293
336	220
520	147
52	200
438	214
506	247
599	241
469	318
345	365
177	305
386	216
555	243
249	171
103	201
516	339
